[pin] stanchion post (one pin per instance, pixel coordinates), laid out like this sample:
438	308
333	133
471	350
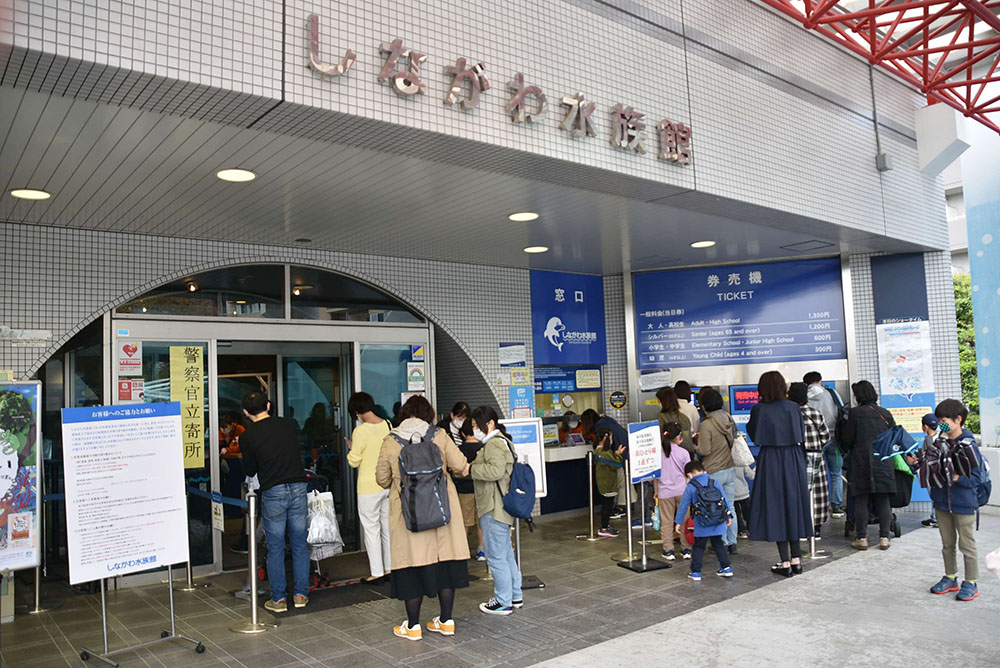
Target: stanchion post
590	538
813	552
40	606
253	625
643	565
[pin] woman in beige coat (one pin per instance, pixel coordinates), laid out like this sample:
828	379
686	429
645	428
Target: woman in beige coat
431	562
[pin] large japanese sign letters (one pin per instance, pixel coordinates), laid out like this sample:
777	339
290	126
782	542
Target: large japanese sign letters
187	387
527	103
567	318
740	314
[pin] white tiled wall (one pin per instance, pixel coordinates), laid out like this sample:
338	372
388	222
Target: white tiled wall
780	116
941	313
68	278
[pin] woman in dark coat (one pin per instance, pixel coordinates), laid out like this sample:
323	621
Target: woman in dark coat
779	505
869	478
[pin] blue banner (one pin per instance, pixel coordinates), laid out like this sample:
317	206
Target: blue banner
130	412
567	318
740	314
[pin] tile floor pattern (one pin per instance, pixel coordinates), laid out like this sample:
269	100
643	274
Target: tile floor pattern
587	599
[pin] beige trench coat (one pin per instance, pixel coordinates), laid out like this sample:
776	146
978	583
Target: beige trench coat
409	548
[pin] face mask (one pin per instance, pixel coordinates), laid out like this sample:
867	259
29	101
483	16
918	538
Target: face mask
944	427
480	436
573	424
457	423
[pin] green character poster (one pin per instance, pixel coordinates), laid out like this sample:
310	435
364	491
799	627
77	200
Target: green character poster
19	446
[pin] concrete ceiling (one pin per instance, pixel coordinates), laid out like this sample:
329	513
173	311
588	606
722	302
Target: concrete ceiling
128	170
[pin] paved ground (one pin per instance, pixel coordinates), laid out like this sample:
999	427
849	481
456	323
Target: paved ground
587	600
872	609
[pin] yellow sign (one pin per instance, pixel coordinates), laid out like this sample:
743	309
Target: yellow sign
6	374
187	386
587	379
910	418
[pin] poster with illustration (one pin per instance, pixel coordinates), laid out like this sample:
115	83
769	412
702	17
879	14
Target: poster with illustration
20	437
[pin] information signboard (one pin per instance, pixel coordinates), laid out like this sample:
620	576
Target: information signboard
529	443
20	442
125	505
644	450
567	318
740	314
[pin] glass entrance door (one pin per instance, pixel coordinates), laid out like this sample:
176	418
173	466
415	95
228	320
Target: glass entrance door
163	371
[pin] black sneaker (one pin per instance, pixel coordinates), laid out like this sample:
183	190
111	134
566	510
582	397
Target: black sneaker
493	607
929	523
618	514
732	548
517	605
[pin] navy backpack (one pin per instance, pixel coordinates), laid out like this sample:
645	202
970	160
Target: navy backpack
519	500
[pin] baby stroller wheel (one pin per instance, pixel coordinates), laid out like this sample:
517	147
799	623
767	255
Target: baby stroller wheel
894	525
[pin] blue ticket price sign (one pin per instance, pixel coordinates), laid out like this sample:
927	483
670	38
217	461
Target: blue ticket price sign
742	399
740	314
567	318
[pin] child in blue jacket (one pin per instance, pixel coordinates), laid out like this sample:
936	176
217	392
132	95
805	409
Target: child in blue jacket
703	532
956	504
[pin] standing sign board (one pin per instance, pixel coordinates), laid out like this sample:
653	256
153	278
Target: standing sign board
740	314
125	505
20	471
567	318
644	451
530	447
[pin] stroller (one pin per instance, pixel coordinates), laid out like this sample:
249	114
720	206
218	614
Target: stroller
317	551
904	490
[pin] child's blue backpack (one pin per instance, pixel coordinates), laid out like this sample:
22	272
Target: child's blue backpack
710	504
519	500
981	481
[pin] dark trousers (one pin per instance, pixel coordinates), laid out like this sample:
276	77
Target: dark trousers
742	514
789	549
607	506
698	552
882	509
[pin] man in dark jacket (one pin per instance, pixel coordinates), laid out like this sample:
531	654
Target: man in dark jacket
870	478
271	452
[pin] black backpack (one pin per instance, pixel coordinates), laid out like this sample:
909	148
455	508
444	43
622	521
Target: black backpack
710	504
423	490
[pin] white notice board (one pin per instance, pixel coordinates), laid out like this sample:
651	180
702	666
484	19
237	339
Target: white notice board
530	447
644	450
125	505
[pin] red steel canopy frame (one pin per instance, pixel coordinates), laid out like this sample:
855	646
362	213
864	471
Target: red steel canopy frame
932	44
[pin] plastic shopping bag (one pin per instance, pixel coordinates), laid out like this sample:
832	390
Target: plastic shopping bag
993	562
323	528
741	451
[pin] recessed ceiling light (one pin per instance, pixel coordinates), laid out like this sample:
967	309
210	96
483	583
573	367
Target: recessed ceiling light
241	301
523	217
703	244
236	175
28	193
303	240
192	287
536	249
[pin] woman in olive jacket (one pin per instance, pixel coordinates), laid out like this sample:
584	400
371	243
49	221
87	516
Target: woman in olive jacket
868	477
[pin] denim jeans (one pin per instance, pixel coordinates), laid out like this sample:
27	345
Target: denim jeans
726	479
285	507
834	464
500	559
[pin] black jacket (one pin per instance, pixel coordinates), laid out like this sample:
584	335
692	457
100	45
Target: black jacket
866	474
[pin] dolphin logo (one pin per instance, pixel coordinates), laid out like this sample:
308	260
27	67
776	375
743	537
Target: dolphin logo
553	330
